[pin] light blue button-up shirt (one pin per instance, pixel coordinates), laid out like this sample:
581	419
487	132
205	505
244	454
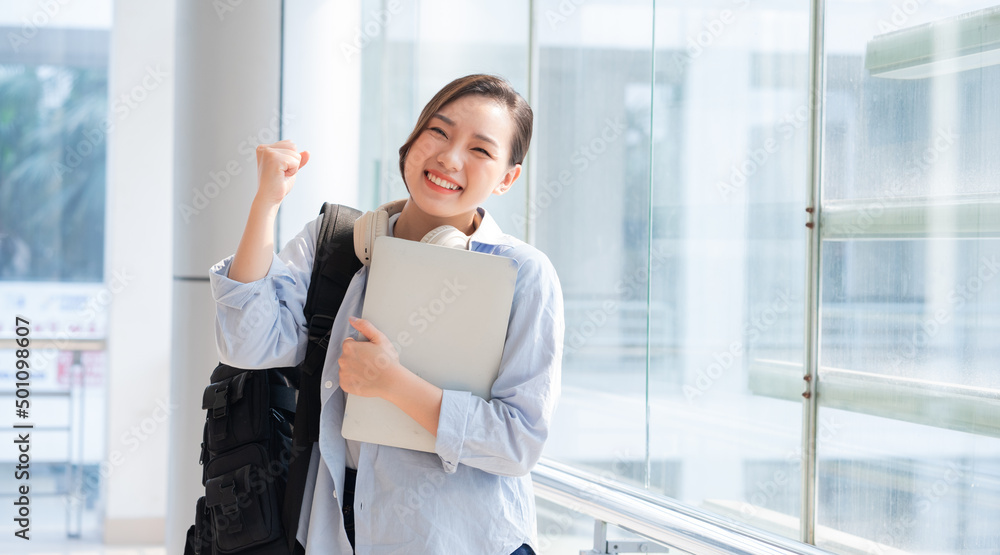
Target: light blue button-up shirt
473	495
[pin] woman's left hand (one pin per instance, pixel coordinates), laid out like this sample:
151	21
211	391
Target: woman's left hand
369	368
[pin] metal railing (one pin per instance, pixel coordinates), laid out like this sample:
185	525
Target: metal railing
662	520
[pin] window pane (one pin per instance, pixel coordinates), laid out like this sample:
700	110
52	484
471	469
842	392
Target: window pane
55	124
424	46
887	485
916	309
590	213
52	162
730	127
926	133
909	296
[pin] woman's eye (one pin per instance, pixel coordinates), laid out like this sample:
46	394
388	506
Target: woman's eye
438	130
483	151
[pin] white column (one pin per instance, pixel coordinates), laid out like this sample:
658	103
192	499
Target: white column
137	272
321	100
228	75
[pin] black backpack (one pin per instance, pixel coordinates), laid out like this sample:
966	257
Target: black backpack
258	437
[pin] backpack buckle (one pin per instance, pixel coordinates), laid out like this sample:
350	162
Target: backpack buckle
319	327
221	402
229	502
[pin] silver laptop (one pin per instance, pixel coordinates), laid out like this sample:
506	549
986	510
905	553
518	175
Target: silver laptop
446	312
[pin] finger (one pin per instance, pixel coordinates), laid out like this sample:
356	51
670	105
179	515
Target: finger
346	386
285	147
298	161
287	150
291	164
278	147
367	329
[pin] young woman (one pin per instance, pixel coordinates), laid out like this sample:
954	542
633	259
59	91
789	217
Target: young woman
472	495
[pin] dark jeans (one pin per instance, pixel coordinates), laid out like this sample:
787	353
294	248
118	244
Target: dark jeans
350	479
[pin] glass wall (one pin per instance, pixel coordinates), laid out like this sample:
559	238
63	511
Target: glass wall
728	256
589	212
421	47
668	181
910	308
54	125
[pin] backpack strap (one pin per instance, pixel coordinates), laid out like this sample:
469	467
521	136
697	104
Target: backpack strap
334	266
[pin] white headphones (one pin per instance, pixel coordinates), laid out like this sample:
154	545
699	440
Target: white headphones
375	224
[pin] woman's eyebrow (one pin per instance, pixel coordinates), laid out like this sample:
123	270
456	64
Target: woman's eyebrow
444	119
479	136
486	139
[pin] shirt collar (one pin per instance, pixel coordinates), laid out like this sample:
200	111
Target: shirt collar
487	233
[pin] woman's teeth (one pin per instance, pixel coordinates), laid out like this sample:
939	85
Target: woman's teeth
442	183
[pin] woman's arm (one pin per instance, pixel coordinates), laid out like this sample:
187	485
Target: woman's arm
506	434
372	369
277	165
259	322
254	253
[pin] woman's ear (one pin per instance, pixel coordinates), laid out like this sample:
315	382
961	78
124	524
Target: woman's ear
508	179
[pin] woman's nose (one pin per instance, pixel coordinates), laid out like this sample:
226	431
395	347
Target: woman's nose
450	159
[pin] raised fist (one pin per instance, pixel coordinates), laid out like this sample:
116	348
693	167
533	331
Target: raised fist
277	164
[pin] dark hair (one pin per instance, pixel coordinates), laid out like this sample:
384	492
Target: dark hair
488	86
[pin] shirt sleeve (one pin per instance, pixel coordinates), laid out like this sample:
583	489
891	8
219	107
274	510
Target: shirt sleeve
260	324
505	435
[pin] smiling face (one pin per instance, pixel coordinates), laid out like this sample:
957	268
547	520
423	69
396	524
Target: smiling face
459	159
